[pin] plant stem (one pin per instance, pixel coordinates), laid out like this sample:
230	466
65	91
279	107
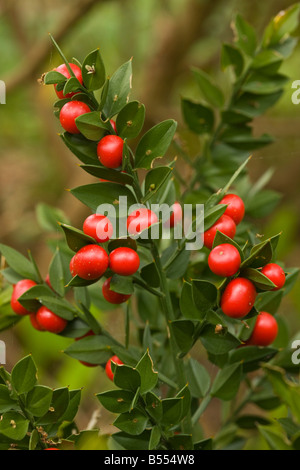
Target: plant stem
167	306
204	404
145	286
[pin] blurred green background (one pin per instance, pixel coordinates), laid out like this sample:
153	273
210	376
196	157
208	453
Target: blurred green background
165	38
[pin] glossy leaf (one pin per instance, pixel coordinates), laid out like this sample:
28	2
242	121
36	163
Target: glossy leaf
119	88
130	120
199	119
93	71
24	375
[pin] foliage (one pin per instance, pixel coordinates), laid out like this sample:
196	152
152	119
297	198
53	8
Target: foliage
161	391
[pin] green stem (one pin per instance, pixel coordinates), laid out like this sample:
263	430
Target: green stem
62	55
198	413
167	307
145	286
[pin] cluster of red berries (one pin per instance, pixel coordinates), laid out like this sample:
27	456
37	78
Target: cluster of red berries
92	261
110	147
240	293
43	319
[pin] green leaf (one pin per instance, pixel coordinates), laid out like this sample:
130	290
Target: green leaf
187	305
245	35
198	378
154	144
13	425
18	262
133	423
24	375
206	444
282	25
108	174
72	409
266	58
127	442
218	343
231	56
119	89
48	217
259	280
59	405
211	93
154	438
172	411
84	149
205	295
34	440
76	239
93	71
127	378
150	274
199	119
154	181
185	395
38	400
227	382
251	421
116	401
130	120
34	297
252	105
269	301
57	273
7	403
274	439
122	284
149	377
154	406
260	255
260	84
93	195
53	77
263	203
92	349
91	126
72	85
183	331
213	214
251	357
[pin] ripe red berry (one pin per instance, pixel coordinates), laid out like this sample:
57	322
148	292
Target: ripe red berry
72	270
110	151
108	370
90	262
176	215
265	330
236	207
98	227
225	224
124	261
111	296
275	273
35	323
49	321
69	112
19	289
224	260
238	298
64	71
140	220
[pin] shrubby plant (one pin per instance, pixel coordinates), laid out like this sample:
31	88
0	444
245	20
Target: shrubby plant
225	295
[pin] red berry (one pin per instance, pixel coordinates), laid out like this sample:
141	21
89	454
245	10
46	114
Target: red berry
51	448
225	225
110	151
90	262
49	321
140	220
72	270
64	71
35	323
124	261
19	289
98	227
224	260
238	298
236	207
111	296
113	125
108	370
69	112
176	215
275	273
265	330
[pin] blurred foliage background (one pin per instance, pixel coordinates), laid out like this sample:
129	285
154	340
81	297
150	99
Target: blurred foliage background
165	38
